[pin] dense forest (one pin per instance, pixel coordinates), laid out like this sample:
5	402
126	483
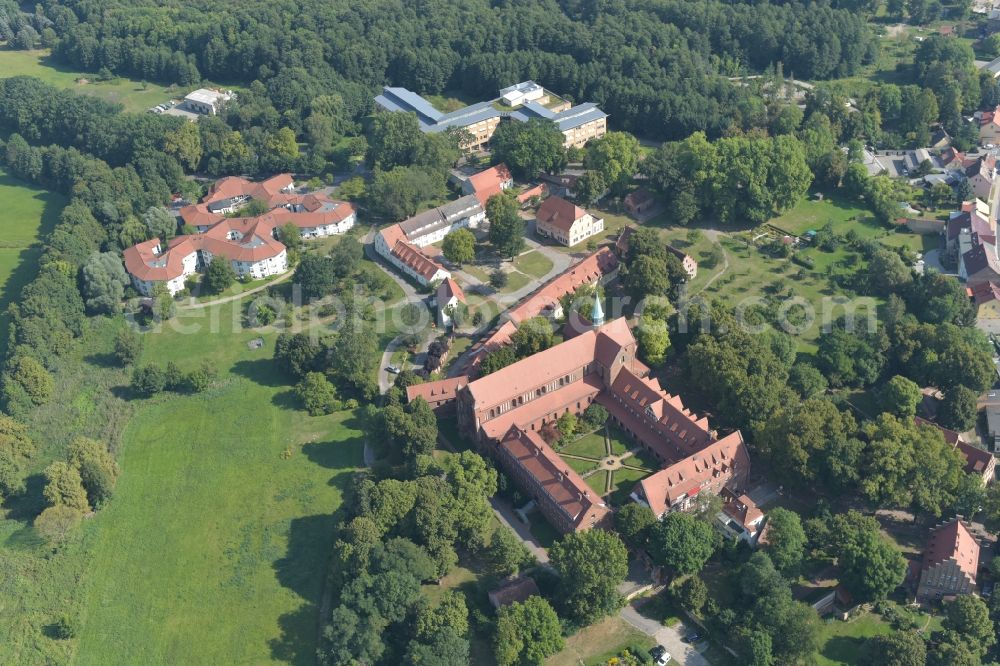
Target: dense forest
657	66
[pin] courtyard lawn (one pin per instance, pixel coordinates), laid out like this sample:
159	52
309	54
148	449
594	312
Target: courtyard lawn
622	482
590	446
127	92
29	214
600	642
579	465
620	442
598	481
541	529
230	497
842	643
533	263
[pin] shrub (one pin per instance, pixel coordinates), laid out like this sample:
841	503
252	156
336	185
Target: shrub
498	279
149	380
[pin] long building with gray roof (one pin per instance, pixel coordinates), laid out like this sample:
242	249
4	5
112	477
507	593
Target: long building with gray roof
578	124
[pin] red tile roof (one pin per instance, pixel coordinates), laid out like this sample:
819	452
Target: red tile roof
953	540
439	391
984	292
686	476
489	182
548	365
559	213
536	191
559	481
447	290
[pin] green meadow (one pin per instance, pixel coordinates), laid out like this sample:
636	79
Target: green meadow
28	214
131	94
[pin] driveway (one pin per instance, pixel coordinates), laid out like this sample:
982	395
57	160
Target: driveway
668	637
507	516
932	260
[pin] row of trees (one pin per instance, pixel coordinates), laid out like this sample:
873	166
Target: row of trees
667	91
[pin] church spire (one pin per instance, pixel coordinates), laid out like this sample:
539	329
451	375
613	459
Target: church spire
597	313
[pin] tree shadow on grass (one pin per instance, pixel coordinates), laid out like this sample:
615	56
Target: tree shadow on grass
303	570
261	371
844	649
286	400
25	505
102	360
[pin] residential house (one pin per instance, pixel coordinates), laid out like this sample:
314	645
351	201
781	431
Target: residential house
251	244
950	563
981	172
978	462
687	261
951	159
206	101
489	182
562	184
517	590
639	201
392	244
993	67
986	296
740	518
565	222
989	126
449	297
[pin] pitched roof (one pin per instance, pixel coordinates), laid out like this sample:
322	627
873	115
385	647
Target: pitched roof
564	486
741	508
953	541
489	182
441	390
431	220
686	476
149	262
549	365
559	213
980	257
513	591
984	292
536	191
638	197
447	289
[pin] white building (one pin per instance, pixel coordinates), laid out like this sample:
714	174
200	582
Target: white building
519	93
207	101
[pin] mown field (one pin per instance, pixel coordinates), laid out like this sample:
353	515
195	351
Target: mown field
29	214
133	95
215	546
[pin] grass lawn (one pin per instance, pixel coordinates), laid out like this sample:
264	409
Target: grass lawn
843	642
578	465
515	281
620	442
29	214
599	642
230	497
533	263
542	530
836	210
622	482
598	482
591	446
127	92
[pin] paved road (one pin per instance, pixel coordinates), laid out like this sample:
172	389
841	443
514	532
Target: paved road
195	305
668	637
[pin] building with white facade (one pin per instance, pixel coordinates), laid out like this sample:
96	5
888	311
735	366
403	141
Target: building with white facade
250	244
206	101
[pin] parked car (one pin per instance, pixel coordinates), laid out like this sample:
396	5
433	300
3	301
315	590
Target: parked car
663	659
692	637
393	369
